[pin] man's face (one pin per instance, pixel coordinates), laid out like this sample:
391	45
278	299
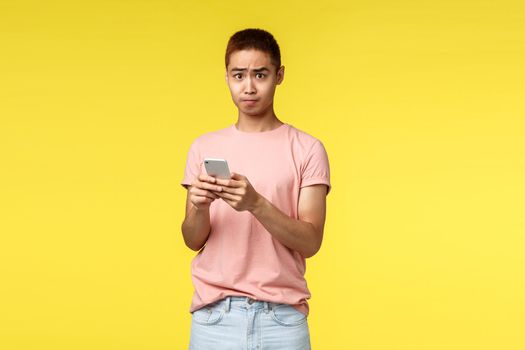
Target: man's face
252	79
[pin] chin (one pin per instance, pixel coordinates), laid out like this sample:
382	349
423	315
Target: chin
249	112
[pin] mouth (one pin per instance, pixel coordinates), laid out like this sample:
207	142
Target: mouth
249	101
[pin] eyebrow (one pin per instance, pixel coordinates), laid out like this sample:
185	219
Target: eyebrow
254	70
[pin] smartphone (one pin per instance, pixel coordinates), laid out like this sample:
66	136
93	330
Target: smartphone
217	167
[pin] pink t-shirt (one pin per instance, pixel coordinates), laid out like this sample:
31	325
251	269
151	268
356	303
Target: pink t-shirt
241	257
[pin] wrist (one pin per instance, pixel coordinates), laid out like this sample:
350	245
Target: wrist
201	209
258	205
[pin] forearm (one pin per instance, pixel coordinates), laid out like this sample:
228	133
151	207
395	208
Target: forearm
294	234
196	227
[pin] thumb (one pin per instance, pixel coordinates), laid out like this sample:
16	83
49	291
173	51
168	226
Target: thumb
236	176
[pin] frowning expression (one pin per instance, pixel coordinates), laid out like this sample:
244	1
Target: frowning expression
252	79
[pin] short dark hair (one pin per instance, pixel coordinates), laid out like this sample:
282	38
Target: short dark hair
254	38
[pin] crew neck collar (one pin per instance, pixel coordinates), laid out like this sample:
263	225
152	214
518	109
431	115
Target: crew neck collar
259	133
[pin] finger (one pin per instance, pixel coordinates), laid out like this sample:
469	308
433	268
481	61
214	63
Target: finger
231	203
208	186
211	195
229	196
206	178
237	176
229	183
205	193
232	190
228	201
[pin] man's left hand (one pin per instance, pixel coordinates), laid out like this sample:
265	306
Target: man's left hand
238	192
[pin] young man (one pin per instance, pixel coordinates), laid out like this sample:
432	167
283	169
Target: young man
254	230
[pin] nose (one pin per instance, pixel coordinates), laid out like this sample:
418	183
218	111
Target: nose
250	86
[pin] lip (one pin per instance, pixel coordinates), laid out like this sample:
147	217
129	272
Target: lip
249	100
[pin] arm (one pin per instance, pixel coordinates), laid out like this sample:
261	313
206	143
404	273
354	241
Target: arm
304	235
196	225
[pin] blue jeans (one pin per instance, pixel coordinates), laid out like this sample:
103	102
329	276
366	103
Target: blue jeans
241	323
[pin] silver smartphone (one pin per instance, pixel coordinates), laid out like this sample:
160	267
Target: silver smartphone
217	167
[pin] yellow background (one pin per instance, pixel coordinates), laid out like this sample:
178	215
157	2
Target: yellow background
420	105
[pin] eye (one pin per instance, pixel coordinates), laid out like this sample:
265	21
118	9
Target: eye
261	74
238	74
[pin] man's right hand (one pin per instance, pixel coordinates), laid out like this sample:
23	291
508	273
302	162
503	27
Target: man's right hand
201	195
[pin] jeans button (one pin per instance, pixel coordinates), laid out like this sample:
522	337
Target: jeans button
250	301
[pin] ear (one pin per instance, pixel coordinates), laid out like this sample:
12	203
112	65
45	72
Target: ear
280	75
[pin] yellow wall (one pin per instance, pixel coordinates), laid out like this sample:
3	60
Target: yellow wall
419	104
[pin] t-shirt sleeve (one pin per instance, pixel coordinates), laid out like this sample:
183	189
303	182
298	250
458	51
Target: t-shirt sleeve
193	165
316	169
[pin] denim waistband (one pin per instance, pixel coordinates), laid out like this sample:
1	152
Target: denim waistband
247	303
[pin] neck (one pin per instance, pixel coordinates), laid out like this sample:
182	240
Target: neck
257	123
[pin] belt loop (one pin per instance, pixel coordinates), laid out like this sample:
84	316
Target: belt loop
266	307
228	301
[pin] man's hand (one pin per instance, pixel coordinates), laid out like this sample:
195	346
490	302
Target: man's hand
203	191
303	235
238	192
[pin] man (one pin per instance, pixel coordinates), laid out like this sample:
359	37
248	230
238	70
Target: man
254	230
